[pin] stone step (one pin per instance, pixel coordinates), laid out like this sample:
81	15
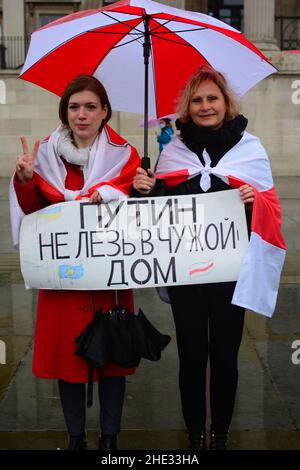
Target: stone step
10	271
9	262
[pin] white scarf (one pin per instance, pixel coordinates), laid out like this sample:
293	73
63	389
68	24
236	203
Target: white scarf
72	154
247	160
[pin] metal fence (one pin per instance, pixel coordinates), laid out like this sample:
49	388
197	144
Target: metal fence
289	30
12	51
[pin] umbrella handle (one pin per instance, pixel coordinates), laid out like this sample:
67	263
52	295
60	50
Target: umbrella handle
146	163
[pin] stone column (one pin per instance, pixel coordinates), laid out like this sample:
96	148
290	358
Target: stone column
197	5
14	33
88	4
13	17
174	3
259	20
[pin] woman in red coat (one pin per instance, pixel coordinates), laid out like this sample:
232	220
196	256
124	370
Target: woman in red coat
84	158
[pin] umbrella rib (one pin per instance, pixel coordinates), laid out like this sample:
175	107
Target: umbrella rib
157	34
122	23
128	42
163	24
113	32
175	18
186	44
180	30
141	35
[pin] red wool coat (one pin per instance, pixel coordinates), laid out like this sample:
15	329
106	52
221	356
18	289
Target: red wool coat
62	315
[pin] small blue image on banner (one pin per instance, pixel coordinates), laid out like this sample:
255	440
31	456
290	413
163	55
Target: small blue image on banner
67	271
50	213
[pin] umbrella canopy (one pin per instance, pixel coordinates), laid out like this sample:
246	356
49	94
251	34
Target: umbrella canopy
152	122
143	52
108	43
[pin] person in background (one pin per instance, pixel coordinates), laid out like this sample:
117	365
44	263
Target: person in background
213	152
166	133
83	158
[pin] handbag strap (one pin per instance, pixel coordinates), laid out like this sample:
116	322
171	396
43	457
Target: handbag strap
116	297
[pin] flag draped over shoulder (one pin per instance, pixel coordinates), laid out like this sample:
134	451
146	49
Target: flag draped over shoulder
245	163
111	167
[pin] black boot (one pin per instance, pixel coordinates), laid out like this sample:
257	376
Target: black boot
77	443
218	440
197	440
108	442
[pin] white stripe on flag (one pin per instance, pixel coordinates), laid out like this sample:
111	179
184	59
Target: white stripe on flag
259	277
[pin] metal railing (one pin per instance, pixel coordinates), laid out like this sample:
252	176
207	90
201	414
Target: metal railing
12	51
289	27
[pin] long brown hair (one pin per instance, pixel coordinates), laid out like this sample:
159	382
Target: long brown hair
80	83
207	73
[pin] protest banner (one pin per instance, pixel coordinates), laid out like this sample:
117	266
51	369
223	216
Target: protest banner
133	243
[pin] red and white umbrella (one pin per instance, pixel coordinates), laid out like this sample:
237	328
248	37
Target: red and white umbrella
143	52
152	122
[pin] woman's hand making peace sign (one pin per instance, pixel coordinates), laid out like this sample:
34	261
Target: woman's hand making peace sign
25	162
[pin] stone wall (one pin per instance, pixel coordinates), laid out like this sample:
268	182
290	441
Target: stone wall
273	110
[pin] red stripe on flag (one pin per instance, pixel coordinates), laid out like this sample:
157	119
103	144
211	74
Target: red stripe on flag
174	178
266	214
49	191
201	270
123	182
114	137
266	218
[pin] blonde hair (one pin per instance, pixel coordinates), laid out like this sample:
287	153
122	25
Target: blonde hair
204	73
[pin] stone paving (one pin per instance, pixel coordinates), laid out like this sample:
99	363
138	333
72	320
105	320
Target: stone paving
267	412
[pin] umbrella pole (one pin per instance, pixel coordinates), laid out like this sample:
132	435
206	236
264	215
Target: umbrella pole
146	47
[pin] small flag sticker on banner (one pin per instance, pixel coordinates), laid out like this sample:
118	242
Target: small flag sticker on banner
70	272
201	268
50	213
